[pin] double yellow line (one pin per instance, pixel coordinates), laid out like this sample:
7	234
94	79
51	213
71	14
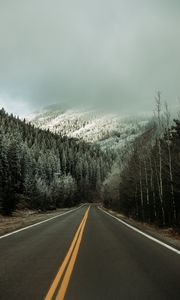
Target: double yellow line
68	264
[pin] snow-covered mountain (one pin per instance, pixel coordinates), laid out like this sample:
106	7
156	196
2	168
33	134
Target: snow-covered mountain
91	125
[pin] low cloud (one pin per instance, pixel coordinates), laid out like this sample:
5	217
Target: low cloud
104	52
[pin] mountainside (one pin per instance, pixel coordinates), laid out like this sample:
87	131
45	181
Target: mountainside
107	129
43	170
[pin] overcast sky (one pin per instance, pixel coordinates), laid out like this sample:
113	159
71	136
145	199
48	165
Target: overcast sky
101	51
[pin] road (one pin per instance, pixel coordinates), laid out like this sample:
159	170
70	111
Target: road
86	255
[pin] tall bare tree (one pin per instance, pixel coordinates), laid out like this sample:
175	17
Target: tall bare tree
159	135
168	142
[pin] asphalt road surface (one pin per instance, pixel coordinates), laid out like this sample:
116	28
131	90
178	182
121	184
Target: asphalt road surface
86	255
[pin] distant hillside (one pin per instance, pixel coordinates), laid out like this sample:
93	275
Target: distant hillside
107	129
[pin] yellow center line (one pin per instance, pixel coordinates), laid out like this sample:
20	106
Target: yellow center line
66	260
67	276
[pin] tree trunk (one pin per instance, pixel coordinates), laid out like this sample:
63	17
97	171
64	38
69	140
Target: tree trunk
141	192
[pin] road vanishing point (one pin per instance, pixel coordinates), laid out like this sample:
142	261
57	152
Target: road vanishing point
86	254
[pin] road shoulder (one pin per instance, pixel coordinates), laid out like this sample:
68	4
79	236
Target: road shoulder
167	235
23	219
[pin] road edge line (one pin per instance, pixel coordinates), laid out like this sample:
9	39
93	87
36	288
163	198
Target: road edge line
142	233
39	223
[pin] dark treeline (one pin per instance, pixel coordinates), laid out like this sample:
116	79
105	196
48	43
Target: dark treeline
42	170
146	182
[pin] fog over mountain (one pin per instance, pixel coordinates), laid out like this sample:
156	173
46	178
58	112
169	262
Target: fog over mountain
111	53
92	125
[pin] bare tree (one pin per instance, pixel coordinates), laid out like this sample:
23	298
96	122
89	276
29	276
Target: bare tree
159	121
141	190
152	187
168	142
147	186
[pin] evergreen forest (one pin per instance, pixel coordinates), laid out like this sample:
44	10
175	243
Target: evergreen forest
42	170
